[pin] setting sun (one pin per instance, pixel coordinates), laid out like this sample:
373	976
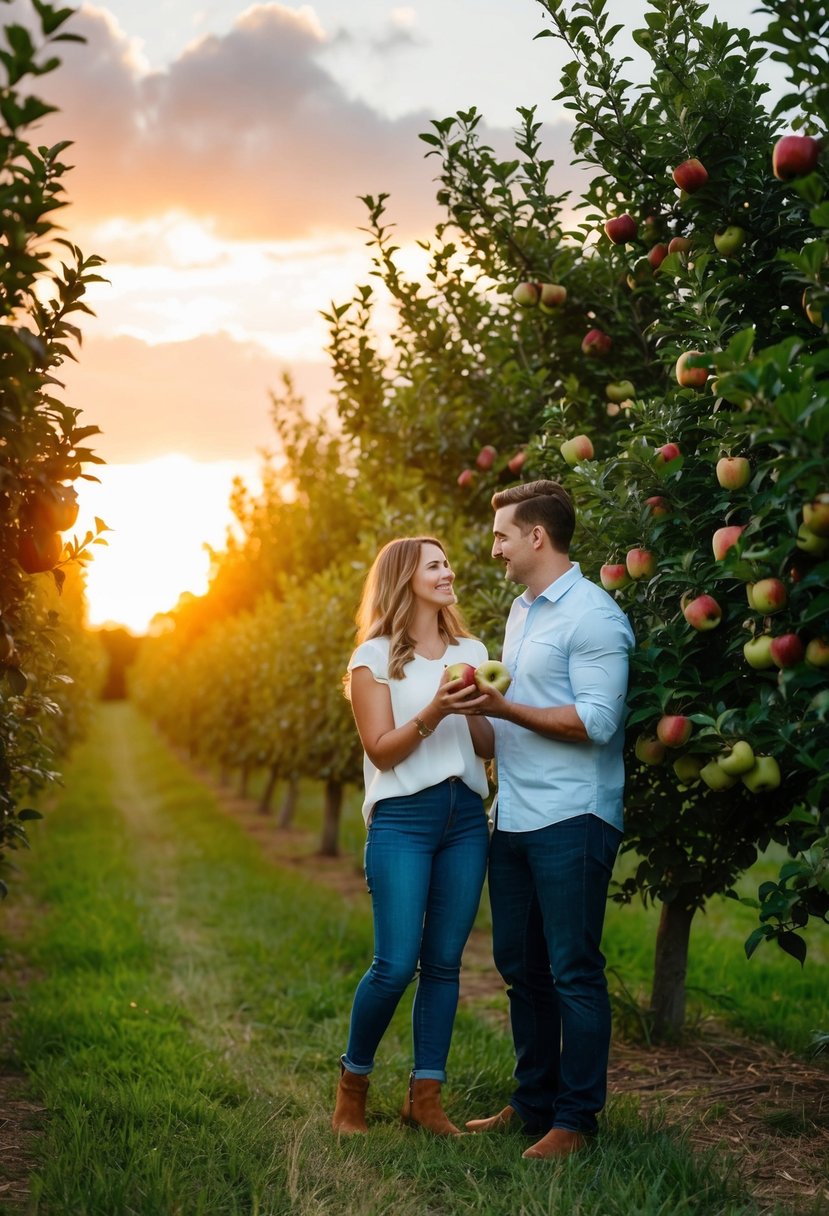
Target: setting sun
161	514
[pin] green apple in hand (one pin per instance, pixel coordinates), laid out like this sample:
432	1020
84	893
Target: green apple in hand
493	674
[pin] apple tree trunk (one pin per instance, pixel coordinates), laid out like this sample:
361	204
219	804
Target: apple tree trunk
332	809
244	777
669	970
265	801
289	801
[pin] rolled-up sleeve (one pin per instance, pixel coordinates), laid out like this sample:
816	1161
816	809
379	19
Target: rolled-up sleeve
599	662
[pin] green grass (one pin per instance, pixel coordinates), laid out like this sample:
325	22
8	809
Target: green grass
188	1006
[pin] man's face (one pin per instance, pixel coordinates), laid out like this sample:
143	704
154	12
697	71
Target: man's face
512	546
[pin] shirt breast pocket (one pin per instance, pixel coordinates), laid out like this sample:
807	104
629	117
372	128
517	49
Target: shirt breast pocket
544	661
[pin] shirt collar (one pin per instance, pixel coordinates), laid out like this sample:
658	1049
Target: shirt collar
558	588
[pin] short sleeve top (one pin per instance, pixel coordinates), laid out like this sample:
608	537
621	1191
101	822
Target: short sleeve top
449	751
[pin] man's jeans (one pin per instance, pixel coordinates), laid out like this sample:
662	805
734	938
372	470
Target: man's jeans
425	866
548	891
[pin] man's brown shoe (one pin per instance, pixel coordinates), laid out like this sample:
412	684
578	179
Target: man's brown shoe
495	1123
560	1142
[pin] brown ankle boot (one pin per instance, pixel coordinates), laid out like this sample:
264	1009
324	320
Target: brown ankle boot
349	1116
422	1108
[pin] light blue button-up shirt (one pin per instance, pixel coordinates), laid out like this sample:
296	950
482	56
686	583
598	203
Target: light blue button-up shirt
568	646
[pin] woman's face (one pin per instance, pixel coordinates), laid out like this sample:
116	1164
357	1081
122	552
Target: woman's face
432	580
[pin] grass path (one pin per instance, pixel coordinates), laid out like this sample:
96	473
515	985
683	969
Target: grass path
184	1006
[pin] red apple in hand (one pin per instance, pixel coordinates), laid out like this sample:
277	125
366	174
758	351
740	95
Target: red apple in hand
614	575
464	672
674	730
493	674
621	229
702	613
733	472
577	449
640	563
725	539
794	156
597	343
690	176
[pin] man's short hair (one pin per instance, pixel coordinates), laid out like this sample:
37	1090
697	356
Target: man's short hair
543	503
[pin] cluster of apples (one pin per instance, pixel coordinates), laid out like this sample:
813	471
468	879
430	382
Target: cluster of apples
48	511
486	459
545	296
489	674
736	762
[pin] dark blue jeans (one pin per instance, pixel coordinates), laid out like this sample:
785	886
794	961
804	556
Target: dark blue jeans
548	891
425	866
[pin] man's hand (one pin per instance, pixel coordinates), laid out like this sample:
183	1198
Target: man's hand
486	702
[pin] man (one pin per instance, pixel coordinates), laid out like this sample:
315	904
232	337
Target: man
558	744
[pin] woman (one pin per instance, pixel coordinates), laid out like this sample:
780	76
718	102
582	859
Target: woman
427	831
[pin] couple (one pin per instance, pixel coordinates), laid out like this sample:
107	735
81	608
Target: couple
557	735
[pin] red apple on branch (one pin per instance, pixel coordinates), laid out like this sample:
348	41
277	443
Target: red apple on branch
656	255
641	563
690	176
596	343
733	472
674	730
768	596
702	613
516	463
486	457
725	539
466	478
816	515
666	454
817	652
621	229
786	650
690	377
659	506
577	449
794	156
38	550
614	575
551	296
526	295
649	750
679	244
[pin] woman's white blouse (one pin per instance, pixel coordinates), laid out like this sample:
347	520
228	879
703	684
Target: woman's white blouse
446	753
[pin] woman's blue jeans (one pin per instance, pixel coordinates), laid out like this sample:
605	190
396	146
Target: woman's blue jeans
548	890
425	864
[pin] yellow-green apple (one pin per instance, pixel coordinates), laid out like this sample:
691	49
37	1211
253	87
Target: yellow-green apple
793	156
621	229
715	776
730	240
691	175
577	449
596	342
464	672
764	776
486	457
641	563
649	750
620	390
815	309
551	296
614	575
687	768
757	652
786	650
768	596
493	674
658	506
667	453
690	377
702	613
516	463
809	542
466	478
733	472
526	295
738	759
816	515
725	539
679	244
817	652
657	254
674	730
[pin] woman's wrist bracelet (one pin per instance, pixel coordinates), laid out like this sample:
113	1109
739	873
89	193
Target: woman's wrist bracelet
422	729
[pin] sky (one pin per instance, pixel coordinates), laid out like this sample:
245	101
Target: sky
219	152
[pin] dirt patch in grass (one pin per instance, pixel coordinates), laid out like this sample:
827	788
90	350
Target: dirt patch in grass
765	1108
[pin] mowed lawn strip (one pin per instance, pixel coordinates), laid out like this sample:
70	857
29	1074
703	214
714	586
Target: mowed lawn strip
190	1007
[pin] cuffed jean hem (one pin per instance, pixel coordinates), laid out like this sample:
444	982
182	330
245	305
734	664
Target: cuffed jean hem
429	1074
360	1070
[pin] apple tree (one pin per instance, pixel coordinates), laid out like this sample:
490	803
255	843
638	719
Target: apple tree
43	445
